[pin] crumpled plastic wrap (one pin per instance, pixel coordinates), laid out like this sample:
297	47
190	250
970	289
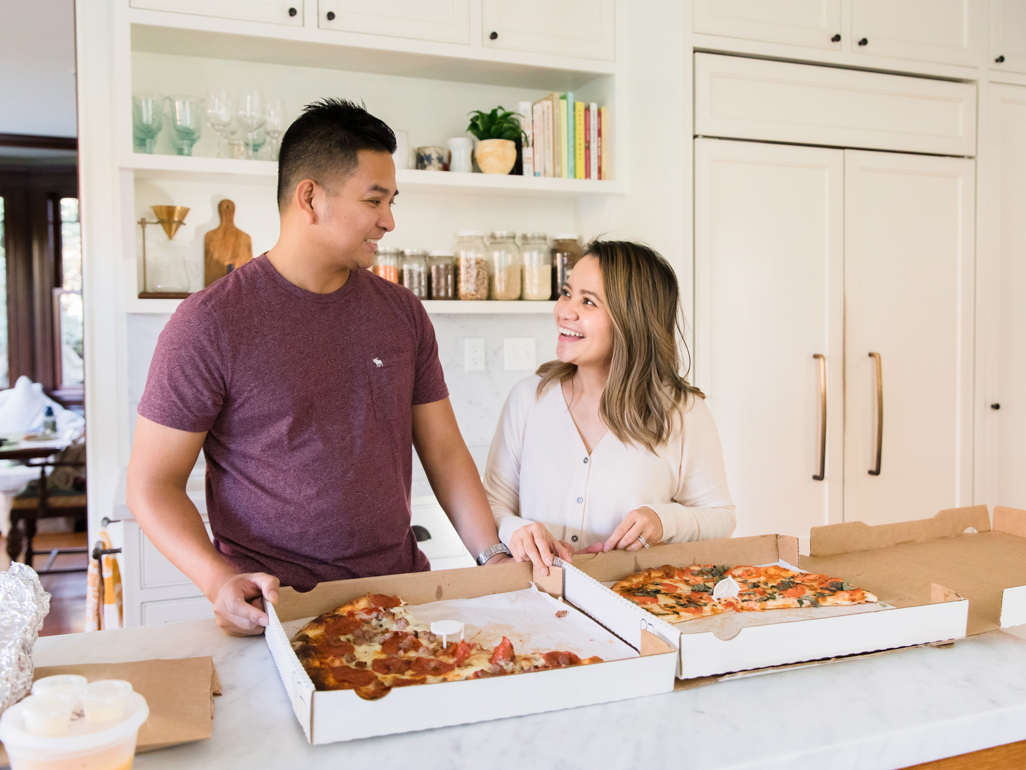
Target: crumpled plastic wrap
23	605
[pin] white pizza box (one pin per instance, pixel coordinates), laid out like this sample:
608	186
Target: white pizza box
910	613
341	715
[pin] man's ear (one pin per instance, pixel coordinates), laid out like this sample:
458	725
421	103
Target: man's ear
303	199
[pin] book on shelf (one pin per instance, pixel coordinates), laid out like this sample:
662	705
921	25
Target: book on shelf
564	147
603	142
571	136
524	111
578	140
592	141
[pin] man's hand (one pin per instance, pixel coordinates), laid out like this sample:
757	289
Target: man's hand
640	521
240	602
533	541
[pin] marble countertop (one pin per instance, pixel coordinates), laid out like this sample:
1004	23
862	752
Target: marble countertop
885	711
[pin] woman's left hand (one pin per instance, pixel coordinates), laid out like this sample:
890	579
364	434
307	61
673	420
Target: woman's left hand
641	521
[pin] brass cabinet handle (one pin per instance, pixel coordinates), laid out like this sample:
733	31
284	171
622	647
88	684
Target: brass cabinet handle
879	413
823	418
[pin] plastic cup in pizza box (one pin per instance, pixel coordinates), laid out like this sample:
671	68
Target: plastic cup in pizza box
48	731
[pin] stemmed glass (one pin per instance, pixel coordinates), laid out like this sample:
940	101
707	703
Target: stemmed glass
147	119
249	109
220	115
187	120
276	125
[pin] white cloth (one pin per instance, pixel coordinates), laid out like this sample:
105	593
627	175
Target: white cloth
22	408
539	470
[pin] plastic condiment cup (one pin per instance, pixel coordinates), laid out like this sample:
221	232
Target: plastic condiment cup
447	628
70	683
85	746
48	714
104	701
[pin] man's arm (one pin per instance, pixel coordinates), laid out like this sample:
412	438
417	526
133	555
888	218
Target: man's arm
453	476
162	459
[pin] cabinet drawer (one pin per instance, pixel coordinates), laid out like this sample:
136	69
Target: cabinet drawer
445	21
275	11
803	104
155	570
175	610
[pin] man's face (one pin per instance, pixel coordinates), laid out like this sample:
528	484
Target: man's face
358	212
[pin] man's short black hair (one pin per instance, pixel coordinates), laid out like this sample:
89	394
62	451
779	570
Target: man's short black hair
324	141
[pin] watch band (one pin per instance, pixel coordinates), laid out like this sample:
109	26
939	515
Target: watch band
488	553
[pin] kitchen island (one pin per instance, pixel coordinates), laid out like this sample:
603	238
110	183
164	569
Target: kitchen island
885	711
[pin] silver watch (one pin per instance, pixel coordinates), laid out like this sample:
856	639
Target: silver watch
488	553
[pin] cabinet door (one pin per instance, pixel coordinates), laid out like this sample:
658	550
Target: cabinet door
810	23
1007	190
768	298
581	28
1008	35
909	298
446	21
276	11
946	31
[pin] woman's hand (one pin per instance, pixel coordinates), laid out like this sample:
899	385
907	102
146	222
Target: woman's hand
641	521
533	541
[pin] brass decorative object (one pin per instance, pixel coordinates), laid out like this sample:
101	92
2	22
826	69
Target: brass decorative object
170	218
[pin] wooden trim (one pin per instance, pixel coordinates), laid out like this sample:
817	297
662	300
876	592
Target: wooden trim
39	142
1011	756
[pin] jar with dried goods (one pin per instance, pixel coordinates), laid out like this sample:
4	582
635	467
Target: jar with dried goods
534	251
505	266
441	275
471	265
566	252
386	264
414	272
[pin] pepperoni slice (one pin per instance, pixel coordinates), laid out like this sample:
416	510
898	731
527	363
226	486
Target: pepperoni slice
669	587
341	625
391	645
338	647
432	666
644	599
390	665
558	659
503	653
384	602
356	677
796	591
462	652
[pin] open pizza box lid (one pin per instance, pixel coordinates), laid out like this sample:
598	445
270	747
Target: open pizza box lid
340	715
958	548
911	613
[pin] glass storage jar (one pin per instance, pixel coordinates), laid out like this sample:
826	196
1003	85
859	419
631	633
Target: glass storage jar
505	266
566	251
534	251
414	272
441	275
386	264
471	265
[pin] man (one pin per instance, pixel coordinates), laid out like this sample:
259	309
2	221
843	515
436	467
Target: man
305	379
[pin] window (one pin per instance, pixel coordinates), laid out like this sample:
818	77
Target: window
4	382
67	301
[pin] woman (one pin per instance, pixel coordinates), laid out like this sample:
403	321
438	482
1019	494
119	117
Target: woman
609	446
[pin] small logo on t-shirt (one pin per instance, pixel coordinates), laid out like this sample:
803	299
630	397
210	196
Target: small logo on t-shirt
377	362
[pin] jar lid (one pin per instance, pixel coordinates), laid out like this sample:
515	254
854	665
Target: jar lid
440	254
470	234
535	237
414	253
383	251
503	235
565	237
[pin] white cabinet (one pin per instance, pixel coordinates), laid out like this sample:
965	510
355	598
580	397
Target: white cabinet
809	251
1008	35
809	23
446	21
276	11
944	31
579	28
909	264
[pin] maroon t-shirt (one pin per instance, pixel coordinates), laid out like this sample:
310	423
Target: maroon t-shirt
307	404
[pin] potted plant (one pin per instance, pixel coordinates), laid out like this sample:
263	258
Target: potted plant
497	133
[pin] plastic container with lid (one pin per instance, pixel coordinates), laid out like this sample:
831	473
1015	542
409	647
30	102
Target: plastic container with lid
414	272
566	252
441	275
537	258
386	264
39	734
471	265
505	266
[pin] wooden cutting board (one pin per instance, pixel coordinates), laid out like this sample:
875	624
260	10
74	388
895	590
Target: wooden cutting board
227	248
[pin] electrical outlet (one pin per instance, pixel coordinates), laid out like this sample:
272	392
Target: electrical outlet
474	354
519	354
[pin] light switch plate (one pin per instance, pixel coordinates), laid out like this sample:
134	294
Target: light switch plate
519	354
474	354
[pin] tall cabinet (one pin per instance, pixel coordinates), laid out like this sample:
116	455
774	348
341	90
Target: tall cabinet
834	327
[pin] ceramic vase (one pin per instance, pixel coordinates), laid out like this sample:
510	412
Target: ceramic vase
496	156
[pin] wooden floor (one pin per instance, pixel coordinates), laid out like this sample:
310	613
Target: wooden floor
67	592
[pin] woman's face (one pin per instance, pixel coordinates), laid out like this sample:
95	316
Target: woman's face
583	322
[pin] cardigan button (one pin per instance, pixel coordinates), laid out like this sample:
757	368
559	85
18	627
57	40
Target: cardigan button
574	538
586	460
580	499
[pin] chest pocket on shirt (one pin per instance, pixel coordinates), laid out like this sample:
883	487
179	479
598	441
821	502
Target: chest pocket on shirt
388	373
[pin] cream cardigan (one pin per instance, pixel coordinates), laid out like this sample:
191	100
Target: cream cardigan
539	470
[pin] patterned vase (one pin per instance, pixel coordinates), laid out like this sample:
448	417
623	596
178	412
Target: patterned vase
496	156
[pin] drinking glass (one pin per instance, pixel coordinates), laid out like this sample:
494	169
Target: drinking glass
147	119
220	116
187	120
254	142
276	125
249	109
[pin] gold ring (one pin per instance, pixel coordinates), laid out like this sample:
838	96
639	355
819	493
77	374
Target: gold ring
643	541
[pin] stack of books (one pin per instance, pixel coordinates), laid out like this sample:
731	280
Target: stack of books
565	138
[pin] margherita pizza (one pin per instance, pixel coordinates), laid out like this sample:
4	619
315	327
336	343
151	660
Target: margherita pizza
677	594
373	644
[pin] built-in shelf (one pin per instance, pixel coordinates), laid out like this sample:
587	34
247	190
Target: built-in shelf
265	172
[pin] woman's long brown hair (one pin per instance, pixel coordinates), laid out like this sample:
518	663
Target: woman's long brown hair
646	390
